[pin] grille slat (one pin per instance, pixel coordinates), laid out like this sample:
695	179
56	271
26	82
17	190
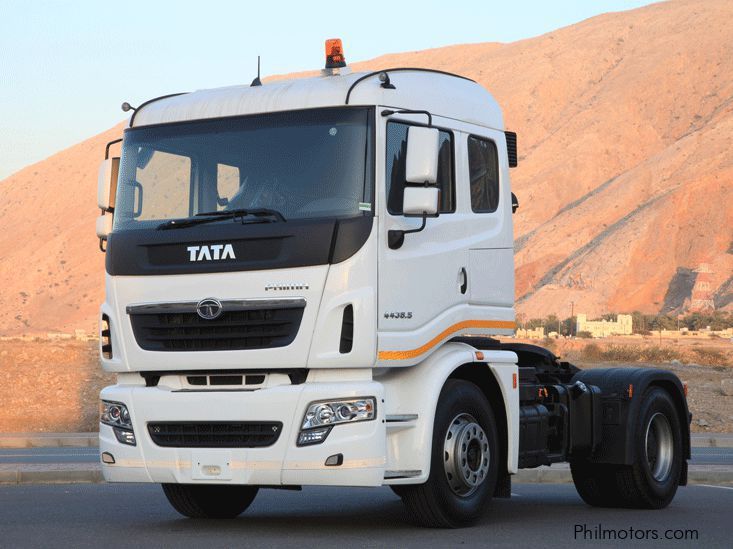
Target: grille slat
183	337
224	434
258	328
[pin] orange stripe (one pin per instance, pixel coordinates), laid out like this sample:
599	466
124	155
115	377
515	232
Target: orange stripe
402	355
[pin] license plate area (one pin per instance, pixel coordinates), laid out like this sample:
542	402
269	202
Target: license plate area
211	465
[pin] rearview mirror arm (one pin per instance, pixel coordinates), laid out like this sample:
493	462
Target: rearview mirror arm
396	237
390	112
106	149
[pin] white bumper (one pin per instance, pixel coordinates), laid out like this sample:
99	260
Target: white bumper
362	444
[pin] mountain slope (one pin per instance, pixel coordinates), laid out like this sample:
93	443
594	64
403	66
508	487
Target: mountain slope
625	126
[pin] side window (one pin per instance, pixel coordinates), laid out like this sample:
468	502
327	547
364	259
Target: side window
395	169
483	168
170	175
227	184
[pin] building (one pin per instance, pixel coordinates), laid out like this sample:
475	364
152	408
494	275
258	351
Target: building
536	333
701	300
604	328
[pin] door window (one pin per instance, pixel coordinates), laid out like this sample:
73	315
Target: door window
483	165
395	172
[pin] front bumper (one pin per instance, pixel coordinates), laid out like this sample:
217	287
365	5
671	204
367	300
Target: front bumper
362	444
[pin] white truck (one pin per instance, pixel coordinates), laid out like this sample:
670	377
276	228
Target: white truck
302	279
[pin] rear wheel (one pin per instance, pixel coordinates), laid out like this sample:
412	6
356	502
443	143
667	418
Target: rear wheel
209	500
651	481
464	461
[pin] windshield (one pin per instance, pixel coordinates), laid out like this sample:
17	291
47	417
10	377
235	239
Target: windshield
301	164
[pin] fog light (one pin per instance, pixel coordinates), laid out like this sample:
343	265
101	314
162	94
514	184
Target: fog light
107	458
124	436
313	436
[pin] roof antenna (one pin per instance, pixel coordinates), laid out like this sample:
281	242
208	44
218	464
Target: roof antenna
257	81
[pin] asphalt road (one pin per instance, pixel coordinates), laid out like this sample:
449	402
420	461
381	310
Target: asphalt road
539	515
700	456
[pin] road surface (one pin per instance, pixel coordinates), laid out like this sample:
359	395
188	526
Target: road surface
539	515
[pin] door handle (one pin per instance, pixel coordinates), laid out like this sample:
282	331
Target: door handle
464	285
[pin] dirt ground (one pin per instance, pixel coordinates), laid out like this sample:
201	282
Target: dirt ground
50	386
53	386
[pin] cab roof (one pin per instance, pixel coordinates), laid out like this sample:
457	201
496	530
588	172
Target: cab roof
442	94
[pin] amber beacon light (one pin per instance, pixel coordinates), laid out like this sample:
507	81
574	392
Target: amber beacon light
334	54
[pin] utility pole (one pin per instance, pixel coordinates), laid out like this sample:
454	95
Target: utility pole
572	317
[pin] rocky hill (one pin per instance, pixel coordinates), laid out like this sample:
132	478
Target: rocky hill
625	126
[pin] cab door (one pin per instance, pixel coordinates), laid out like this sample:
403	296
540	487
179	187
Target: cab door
422	284
491	250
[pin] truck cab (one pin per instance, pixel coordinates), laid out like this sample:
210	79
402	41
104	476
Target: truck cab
302	279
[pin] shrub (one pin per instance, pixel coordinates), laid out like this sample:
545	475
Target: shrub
712	357
621	353
627	353
584	334
659	354
550	344
592	352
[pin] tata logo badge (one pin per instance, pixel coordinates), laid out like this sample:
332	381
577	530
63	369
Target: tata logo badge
209	308
214	252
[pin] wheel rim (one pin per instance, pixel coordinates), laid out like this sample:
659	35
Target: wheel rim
659	447
466	455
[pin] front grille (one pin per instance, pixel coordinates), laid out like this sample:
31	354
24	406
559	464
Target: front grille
222	434
257	328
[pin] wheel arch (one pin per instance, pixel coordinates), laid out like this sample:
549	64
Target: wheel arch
416	389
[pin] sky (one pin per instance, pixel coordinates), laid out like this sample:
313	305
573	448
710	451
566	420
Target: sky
66	66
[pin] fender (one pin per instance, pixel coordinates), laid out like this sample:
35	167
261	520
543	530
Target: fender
619	409
411	396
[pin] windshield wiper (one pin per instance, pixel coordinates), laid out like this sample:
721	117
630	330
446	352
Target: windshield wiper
243	212
211	217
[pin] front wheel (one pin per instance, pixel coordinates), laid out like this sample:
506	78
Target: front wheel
209	500
464	461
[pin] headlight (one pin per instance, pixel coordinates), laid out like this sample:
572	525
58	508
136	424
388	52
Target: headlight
114	414
321	416
117	416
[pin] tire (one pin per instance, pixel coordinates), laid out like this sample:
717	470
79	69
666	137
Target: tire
398	489
464	461
209	500
651	481
596	483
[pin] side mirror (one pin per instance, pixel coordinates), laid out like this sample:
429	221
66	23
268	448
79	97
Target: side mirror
419	201
421	165
421	170
107	184
104	226
106	194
